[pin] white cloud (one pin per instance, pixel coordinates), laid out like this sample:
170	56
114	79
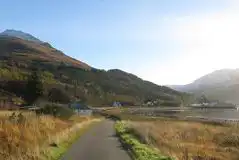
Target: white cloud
207	42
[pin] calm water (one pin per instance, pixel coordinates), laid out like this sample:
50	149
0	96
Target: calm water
207	113
217	113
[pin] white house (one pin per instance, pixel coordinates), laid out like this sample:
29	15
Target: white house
116	104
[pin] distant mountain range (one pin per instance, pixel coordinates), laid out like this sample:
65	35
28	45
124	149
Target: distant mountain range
21	52
220	85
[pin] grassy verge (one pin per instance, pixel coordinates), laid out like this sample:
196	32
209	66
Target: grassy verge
57	151
138	150
27	136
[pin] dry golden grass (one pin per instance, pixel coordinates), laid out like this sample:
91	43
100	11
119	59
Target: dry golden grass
27	140
4	114
190	140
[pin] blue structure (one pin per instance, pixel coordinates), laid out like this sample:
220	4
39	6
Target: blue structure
81	109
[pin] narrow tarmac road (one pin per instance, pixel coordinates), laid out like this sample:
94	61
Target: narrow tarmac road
99	143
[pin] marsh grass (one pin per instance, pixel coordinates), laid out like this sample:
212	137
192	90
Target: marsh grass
28	139
187	140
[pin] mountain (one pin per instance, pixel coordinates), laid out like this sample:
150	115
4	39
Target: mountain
20	53
20	34
220	85
23	51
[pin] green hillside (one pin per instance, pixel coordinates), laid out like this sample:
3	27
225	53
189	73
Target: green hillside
18	57
221	85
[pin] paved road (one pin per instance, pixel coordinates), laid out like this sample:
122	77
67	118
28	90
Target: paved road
99	143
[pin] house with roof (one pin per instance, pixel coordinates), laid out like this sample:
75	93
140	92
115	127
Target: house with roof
117	104
81	109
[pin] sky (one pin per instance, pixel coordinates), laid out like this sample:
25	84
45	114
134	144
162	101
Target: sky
163	41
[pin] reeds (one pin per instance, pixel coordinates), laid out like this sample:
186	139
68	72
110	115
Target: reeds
190	140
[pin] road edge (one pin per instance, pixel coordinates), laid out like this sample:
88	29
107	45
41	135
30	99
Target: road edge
57	152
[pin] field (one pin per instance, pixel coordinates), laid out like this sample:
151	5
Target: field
29	136
189	140
184	139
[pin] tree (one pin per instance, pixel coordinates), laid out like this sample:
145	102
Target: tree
34	87
58	96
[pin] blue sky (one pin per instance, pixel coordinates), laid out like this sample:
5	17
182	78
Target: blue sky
164	41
